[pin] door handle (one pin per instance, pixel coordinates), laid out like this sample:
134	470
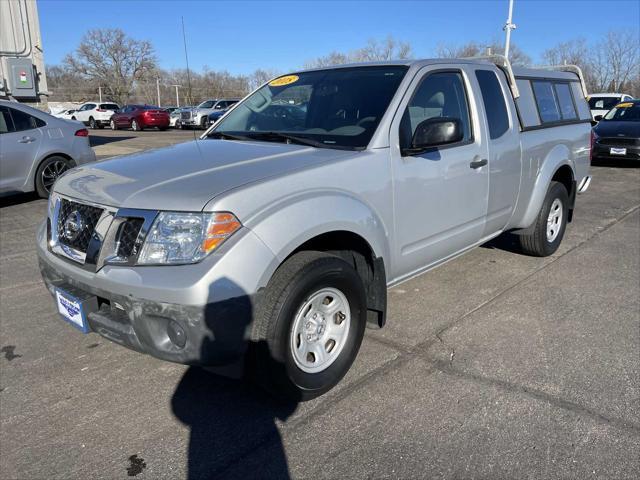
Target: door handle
26	139
478	163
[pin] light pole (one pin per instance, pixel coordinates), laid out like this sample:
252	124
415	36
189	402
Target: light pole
100	94
507	28
158	89
177	97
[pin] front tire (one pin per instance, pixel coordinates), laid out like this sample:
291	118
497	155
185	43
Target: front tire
48	172
204	122
548	230
113	125
312	318
135	126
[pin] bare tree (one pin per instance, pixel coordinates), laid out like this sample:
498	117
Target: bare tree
260	77
472	49
110	58
374	50
610	65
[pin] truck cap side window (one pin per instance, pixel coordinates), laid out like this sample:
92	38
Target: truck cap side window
494	105
546	101
441	94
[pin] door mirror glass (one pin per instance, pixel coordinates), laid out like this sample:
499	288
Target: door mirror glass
437	131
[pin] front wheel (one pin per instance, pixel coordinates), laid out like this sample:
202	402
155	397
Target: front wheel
548	230
312	318
204	122
113	125
135	126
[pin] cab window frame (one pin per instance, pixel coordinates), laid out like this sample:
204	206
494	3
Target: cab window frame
465	87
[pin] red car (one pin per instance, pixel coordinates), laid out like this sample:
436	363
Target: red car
139	117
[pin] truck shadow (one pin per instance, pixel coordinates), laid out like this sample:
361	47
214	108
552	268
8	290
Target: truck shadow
230	419
507	241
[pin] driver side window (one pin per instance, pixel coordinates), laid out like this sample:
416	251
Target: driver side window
441	94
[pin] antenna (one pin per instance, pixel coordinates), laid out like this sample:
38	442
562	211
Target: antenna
507	28
186	57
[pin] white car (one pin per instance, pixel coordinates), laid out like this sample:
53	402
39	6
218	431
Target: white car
95	114
601	103
36	148
65	114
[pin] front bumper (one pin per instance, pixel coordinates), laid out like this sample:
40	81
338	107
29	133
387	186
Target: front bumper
191	314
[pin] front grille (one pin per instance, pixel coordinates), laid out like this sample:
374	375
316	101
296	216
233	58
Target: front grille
618	141
185	115
76	223
127	237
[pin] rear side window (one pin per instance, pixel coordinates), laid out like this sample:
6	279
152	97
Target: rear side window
24	121
565	101
494	104
546	101
109	106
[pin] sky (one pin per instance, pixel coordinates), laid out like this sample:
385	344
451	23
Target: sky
240	36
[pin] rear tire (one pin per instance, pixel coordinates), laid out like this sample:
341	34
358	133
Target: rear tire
92	123
48	172
547	232
315	302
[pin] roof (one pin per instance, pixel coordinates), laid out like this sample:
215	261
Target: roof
419	63
607	94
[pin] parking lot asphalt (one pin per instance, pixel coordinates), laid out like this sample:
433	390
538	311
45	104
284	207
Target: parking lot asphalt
495	365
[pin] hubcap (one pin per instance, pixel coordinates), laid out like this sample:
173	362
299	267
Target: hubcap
554	220
320	330
51	172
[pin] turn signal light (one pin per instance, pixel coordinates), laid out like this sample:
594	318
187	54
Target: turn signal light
220	228
82	133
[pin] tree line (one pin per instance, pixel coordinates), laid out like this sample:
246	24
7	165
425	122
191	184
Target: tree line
127	69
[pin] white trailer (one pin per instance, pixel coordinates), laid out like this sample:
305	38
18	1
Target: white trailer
22	72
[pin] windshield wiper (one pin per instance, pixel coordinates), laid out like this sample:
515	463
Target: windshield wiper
227	136
270	136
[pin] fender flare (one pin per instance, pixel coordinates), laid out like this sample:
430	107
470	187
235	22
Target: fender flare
558	157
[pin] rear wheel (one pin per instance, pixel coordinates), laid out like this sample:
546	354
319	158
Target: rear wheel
548	230
92	123
48	172
311	320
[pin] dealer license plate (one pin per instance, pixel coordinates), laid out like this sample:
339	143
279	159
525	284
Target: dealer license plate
71	310
618	151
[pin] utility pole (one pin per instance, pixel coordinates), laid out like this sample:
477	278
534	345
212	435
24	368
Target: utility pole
507	28
177	96
100	94
158	88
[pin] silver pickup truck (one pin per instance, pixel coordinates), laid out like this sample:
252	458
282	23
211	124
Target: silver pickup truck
271	241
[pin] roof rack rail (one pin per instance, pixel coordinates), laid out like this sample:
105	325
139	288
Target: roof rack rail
503	63
571	69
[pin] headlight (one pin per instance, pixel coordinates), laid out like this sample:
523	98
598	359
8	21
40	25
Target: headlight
178	238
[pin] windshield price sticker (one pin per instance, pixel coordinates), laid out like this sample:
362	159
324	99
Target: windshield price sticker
286	80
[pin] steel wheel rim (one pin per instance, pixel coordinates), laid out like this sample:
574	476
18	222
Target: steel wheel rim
51	172
554	220
113	125
134	125
320	330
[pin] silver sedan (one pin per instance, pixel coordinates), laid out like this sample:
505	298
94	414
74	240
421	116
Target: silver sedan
36	148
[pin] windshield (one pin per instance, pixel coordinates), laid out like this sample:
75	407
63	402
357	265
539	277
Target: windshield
603	103
333	108
207	104
625	112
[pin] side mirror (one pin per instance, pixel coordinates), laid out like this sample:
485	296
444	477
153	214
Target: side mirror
436	131
597	118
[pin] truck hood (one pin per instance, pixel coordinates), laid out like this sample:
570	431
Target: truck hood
186	176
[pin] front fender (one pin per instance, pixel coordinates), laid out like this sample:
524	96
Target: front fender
289	223
556	158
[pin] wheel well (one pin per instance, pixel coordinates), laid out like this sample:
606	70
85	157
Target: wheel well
356	250
564	175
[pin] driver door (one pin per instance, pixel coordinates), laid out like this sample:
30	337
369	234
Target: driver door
441	194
